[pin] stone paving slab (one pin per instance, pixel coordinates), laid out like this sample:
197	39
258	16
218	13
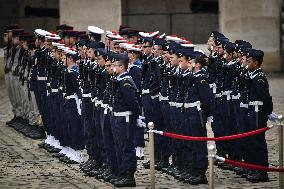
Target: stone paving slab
24	165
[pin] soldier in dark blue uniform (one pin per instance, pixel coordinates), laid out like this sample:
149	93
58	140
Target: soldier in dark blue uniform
260	106
73	109
126	110
135	71
111	169
243	83
197	108
97	76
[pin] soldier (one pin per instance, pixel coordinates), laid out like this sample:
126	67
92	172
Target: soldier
11	71
40	75
73	109
198	107
260	106
126	111
111	170
7	38
134	70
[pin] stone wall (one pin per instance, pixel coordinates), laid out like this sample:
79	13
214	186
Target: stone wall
170	17
105	14
257	21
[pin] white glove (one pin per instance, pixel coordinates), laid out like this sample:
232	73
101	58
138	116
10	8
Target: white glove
142	117
140	123
210	119
274	117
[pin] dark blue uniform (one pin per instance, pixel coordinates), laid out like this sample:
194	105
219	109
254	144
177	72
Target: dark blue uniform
71	106
258	92
198	106
126	111
135	72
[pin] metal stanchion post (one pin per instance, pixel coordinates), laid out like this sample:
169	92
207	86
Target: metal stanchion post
152	156
211	154
280	144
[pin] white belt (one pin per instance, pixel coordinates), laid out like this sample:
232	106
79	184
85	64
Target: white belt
78	103
89	95
54	90
178	105
70	97
123	114
41	78
235	97
172	103
105	106
219	95
242	105
163	98
110	108
213	85
196	104
48	84
156	96
145	91
227	93
256	104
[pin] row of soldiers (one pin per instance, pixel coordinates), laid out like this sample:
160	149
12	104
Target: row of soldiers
99	96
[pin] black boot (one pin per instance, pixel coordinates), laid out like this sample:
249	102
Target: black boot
11	121
258	176
164	163
128	180
197	179
113	174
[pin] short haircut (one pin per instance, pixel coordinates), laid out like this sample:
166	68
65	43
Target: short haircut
124	63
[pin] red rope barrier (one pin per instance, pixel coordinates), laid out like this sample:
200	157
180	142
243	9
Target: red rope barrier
231	137
253	166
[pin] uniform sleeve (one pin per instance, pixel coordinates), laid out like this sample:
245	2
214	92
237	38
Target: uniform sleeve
136	75
262	91
205	96
75	83
130	97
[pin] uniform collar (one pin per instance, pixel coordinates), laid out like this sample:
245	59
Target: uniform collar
122	75
198	73
255	73
74	68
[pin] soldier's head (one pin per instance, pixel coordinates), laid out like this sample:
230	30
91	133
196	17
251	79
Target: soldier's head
109	66
5	37
212	40
147	48
184	56
63	58
197	60
101	61
254	59
132	35
71	58
133	53
121	63
174	60
229	51
95	33
82	48
16	36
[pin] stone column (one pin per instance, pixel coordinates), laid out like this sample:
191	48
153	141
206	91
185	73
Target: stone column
105	14
256	21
